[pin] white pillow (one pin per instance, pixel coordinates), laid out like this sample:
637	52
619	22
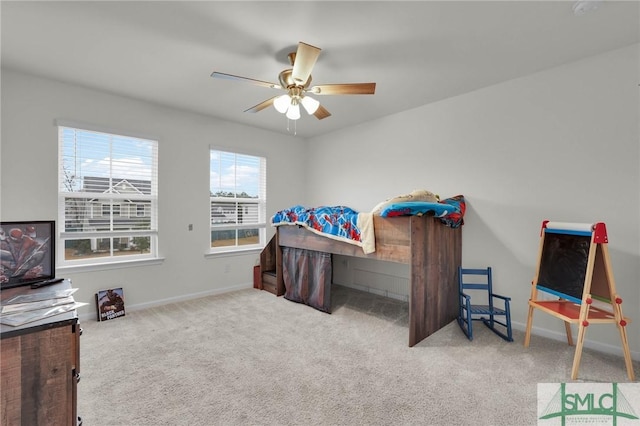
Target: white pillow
416	195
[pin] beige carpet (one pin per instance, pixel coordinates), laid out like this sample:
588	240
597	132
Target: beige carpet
250	358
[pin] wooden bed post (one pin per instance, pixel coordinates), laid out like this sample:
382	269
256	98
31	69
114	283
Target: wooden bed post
436	253
419	293
279	278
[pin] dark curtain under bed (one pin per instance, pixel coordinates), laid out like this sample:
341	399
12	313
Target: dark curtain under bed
307	277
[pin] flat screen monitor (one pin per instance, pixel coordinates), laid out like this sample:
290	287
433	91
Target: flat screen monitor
27	252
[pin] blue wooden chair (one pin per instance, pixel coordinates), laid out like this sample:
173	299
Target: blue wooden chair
479	281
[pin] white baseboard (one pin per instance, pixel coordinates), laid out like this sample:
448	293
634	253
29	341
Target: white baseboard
535	331
384	293
562	337
181	298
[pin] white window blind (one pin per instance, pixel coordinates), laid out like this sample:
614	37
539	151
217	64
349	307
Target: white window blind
238	197
107	197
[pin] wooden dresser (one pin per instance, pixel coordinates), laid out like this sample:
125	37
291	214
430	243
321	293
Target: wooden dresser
40	368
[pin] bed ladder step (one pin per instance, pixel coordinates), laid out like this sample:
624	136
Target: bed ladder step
268	268
269	282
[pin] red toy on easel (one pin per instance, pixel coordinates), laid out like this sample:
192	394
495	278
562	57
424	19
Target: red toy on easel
574	265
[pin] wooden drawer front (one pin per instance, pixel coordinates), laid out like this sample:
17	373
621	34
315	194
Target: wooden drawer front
38	387
10	379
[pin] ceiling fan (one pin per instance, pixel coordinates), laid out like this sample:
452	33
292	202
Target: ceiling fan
296	82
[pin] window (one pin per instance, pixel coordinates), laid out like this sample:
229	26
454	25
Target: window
238	198
107	197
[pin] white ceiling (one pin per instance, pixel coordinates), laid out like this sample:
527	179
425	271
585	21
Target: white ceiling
417	52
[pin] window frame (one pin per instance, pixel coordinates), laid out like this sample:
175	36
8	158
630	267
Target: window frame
260	201
97	202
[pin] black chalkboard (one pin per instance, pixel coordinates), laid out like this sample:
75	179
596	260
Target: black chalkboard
563	263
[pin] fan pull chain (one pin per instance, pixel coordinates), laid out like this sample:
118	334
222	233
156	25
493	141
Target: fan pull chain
295	127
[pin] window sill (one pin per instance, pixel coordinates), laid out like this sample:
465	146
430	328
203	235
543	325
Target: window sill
108	265
232	253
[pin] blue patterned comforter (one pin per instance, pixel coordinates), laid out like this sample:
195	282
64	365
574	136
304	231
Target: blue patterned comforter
338	221
347	225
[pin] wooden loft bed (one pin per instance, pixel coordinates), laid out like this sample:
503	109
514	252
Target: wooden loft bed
431	249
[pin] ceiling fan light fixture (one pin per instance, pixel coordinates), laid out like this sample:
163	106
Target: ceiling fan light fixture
296	82
293	113
281	103
310	104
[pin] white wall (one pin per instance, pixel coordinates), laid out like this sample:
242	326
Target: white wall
29	174
562	144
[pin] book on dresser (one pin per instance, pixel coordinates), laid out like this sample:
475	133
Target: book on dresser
37	305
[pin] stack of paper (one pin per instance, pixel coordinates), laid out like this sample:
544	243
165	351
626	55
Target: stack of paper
27	308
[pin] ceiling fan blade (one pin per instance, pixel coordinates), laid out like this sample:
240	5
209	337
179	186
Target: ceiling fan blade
344	89
246	80
321	113
305	59
261	105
